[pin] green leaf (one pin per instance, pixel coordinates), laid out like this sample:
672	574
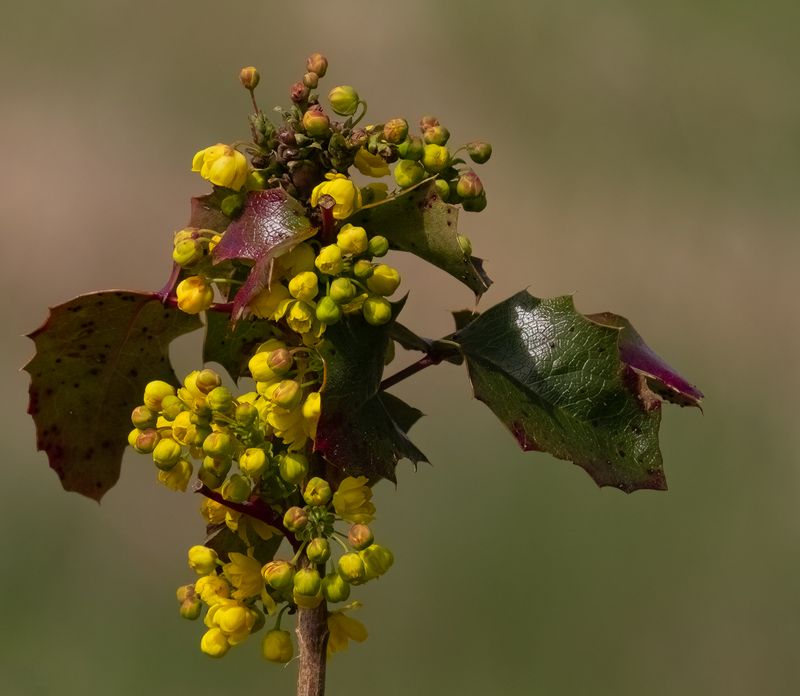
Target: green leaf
357	432
556	380
423	224
94	356
232	345
224	541
405	415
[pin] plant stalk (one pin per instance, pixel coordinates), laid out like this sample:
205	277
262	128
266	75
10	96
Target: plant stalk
312	644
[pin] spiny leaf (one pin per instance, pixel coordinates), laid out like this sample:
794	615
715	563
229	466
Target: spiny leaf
232	345
661	378
94	356
405	415
206	214
357	432
271	222
421	223
556	380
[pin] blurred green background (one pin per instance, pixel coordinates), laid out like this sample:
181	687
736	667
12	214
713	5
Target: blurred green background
647	159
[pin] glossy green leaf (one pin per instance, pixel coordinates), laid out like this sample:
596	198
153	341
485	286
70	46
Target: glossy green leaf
421	223
357	432
94	356
556	380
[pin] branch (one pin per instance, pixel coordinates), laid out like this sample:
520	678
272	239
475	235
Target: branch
312	643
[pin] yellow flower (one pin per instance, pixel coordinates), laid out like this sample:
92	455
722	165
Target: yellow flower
244	573
343	628
300	317
311	412
234	619
277	646
177	478
299	259
346	194
329	260
304	286
352	239
212	589
222	165
213	643
202	559
265	304
371	165
352	500
212	511
195	295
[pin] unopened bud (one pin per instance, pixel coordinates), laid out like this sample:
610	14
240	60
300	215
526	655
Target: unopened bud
408	173
253	462
317	492
328	311
146	440
435	158
316	122
299	93
469	185
280	361
442	189
317	63
465	244
277	646
187	252
360	536
341	290
143	418
202	559
236	489
218	445
311	80
246	414
395	131
384	280
344	100
218	467
154	392
278	574
220	399
362	269
293	467
475	205
232	205
249	77
287	394
318	550
428	122
307	582
166	454
352	569
377	560
171	407
479	151
214	643
335	588
411	149
376	310
436	135
378	246
295	519
207	380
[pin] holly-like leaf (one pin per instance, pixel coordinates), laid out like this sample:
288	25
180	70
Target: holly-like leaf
661	378
232	345
206	214
94	356
421	223
356	432
405	415
224	541
557	381
271	222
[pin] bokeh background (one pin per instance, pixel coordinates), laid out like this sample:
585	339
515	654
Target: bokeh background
647	159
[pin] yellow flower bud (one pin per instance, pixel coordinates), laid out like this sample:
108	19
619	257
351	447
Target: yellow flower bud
177	478
352	239
435	158
395	130
253	462
384	280
154	392
378	246
287	394
377	560
369	164
335	588
277	646
307	582
166	454
316	122
214	643
145	441
351	568
376	310
195	295
249	77
212	589
218	445
318	550
317	492
343	191
317	63
344	100
221	165
304	286
190	608
328	311
293	467
329	260
236	489
295	519
202	559
279	575
360	536
408	173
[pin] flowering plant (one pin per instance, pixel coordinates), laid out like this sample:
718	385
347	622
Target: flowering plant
284	260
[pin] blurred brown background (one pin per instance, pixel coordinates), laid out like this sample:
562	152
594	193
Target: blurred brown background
646	159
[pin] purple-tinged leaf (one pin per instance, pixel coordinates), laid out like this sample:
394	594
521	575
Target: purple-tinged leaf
94	356
633	351
206	214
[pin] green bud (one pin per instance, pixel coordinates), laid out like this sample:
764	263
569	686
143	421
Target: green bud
207	380
236	489
411	149
378	246
362	269
436	135
318	550
210	478
293	467
342	290
442	189
408	173
143	418
475	205
256	181
317	63
146	440
154	392
287	394
166	454
435	158
190	609
188	252
335	588
231	205
277	646
465	244
377	560
360	536
316	122
253	462
295	519
171	407
352	569
279	575
317	492
307	582
479	151
196	435
218	445
249	77
328	311
217	467
376	310
246	414
220	399
469	185
311	80
384	280
344	100
395	130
